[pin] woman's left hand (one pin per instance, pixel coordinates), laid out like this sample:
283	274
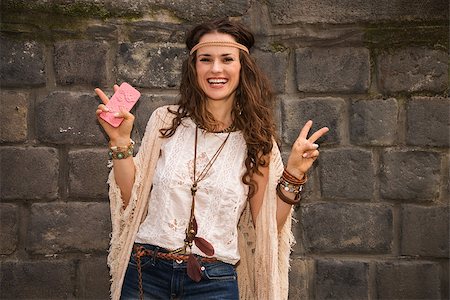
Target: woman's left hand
304	151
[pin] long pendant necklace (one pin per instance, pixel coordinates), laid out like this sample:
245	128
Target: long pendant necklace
193	266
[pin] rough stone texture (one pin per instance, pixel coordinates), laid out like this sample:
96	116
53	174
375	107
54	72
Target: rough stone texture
43	279
145	107
333	69
22	63
374	122
344	228
410	175
14	111
323	111
154	32
425	231
73	66
9	225
428	121
301	270
274	65
94	278
408	280
413	70
29	173
327	11
88	173
339	279
56	228
69	118
347	173
150	65
190	10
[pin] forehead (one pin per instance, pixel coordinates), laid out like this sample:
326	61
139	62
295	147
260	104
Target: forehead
216	36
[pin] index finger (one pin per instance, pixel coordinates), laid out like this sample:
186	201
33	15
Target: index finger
316	135
102	96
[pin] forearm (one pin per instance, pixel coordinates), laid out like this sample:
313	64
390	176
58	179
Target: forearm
283	208
124	174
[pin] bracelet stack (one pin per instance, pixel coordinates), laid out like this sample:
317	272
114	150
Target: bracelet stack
290	184
121	152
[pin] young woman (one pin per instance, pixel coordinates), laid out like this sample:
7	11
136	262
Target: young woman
204	209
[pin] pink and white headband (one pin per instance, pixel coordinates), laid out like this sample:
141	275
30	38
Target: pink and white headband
219	43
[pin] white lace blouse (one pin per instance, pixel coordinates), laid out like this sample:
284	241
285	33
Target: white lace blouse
220	198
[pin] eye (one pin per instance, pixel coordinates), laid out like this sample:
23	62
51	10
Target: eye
204	59
228	59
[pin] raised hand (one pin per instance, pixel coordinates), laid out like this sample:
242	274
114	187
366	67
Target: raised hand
304	151
117	135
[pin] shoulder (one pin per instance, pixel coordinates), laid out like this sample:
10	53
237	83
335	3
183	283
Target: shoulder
163	114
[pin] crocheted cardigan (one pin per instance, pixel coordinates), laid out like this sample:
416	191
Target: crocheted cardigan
264	264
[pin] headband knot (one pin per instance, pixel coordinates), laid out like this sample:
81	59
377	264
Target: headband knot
219	43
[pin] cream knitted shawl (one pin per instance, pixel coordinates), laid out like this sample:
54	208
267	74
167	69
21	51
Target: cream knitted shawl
264	265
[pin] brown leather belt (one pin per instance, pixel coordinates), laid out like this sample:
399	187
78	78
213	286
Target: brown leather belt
140	251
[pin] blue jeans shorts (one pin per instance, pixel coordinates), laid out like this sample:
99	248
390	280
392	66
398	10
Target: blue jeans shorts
168	279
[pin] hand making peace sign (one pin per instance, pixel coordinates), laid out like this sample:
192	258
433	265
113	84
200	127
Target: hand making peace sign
304	151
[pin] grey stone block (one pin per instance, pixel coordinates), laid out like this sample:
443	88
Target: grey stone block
347	228
9	225
299	278
69	118
428	121
408	280
94	278
323	111
413	70
157	32
425	231
43	279
22	63
344	12
88	173
68	227
274	65
374	122
14	111
145	107
81	62
340	279
333	69
347	173
150	65
410	175
29	173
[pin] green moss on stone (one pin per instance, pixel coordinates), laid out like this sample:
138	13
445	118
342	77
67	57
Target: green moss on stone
277	47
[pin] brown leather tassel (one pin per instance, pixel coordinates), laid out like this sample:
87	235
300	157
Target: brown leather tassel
193	268
204	246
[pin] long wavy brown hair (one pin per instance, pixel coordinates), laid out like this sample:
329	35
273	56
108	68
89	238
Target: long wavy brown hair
253	107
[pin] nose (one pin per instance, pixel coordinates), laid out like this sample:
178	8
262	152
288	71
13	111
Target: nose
217	66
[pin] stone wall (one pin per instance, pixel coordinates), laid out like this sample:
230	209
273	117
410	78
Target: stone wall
374	223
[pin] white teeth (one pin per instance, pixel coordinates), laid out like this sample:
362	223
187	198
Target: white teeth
217	81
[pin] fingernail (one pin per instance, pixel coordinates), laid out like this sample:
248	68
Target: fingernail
305	155
316	146
106	109
116	114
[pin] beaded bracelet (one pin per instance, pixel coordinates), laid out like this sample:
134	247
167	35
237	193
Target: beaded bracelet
286	199
289	187
121	152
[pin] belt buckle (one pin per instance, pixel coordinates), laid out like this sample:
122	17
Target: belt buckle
179	261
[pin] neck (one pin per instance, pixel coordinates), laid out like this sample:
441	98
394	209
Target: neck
221	111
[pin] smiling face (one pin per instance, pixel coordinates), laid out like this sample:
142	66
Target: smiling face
218	68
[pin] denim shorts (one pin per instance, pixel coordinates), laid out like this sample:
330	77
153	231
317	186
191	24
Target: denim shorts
167	279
